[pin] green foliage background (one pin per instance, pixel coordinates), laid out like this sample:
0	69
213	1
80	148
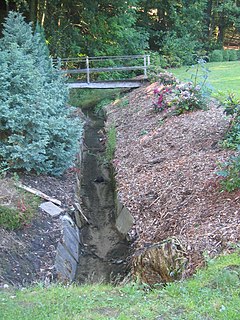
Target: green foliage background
177	30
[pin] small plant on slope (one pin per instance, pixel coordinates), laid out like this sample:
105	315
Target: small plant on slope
230	170
232	109
20	212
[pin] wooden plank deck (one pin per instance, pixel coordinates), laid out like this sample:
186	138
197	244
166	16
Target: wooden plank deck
108	84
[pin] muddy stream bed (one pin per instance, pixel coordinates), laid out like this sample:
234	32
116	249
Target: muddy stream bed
105	252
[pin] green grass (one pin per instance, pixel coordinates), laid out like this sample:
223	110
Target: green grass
213	293
111	143
89	98
17	210
223	76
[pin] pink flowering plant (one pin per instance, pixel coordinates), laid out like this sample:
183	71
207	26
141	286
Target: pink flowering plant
164	98
176	97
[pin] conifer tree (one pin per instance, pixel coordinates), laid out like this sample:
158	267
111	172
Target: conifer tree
37	131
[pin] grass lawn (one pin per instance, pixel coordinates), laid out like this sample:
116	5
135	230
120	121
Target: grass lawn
223	76
213	293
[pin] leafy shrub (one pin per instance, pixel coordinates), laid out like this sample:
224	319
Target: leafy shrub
225	54
158	60
37	130
175	97
164	62
173	61
153	73
232	139
232	55
216	56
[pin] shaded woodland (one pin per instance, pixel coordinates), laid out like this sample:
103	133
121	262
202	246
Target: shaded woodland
178	30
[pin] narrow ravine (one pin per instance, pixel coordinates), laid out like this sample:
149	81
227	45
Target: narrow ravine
105	250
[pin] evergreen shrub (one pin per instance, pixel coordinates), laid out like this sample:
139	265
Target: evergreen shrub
9	218
224	55
37	130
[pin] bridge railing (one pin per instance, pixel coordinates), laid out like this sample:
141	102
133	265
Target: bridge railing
101	64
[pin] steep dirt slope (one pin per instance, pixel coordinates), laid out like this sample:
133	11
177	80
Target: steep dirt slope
166	176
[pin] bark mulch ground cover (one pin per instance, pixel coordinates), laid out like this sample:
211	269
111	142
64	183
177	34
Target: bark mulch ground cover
166	176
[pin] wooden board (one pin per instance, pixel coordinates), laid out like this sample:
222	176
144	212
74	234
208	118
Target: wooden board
106	85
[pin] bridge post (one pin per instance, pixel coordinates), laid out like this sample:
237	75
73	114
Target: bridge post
145	67
148	60
88	73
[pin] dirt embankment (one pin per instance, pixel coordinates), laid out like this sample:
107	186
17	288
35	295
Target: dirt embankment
27	255
166	176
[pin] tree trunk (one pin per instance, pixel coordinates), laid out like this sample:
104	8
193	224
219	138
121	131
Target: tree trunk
209	20
33	11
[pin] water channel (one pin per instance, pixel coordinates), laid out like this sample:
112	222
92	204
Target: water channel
105	249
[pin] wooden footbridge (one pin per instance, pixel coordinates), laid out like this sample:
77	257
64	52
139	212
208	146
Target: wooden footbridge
89	72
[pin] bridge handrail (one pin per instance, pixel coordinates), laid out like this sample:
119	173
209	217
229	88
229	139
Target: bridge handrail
84	58
59	62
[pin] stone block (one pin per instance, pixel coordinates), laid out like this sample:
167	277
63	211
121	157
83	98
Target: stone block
124	221
70	241
71	229
119	206
51	208
65	264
